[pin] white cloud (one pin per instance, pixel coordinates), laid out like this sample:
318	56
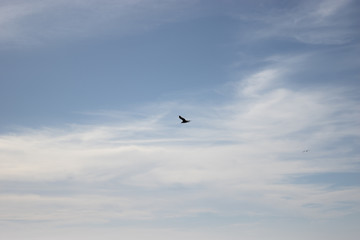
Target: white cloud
330	7
142	169
259	81
149	170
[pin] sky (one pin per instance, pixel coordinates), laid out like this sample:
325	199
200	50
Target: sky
91	146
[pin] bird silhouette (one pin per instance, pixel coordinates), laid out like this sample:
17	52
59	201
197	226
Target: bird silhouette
183	119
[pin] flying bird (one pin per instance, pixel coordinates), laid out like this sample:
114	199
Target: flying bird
183	119
306	150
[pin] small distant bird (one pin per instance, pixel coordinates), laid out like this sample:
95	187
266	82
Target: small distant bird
306	150
183	119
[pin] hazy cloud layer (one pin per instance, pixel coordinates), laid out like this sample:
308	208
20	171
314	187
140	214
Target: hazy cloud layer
237	169
40	22
146	171
43	22
320	22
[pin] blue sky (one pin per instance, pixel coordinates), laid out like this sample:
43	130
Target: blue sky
91	146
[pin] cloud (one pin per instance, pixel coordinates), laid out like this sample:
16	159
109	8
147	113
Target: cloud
46	22
43	22
149	167
237	167
323	22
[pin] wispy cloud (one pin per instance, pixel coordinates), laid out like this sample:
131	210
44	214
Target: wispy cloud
149	169
321	22
237	164
40	22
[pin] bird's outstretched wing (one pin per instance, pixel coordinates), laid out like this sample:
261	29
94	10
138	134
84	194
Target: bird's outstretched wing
183	119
